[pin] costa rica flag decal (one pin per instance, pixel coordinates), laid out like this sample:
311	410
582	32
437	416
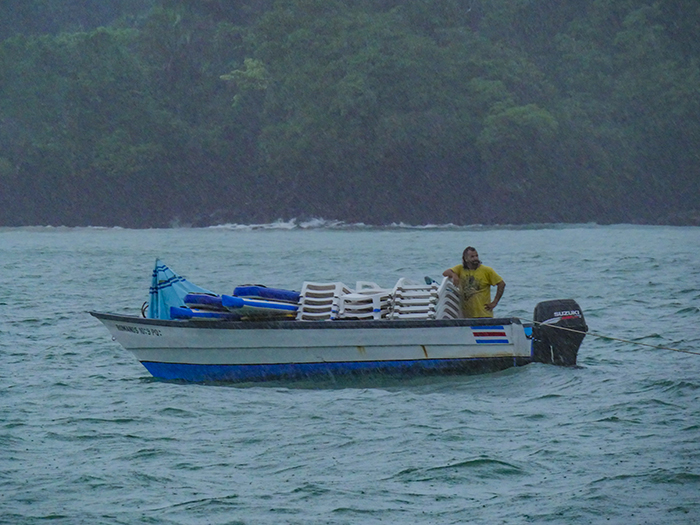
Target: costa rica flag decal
488	335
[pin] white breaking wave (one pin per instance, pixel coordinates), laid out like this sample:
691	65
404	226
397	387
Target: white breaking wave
326	224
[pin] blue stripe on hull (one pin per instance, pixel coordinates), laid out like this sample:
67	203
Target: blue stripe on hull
301	371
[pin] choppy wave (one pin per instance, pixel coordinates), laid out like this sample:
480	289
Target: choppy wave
89	437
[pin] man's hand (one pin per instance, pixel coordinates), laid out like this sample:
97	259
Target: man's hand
499	293
452	275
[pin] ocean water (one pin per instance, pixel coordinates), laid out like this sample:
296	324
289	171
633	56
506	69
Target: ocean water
86	436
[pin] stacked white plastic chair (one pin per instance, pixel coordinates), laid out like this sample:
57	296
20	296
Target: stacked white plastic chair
369	301
407	300
448	304
413	300
320	301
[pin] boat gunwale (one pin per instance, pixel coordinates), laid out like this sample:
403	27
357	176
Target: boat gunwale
292	324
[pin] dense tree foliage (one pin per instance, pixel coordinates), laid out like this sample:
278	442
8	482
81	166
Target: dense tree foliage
156	112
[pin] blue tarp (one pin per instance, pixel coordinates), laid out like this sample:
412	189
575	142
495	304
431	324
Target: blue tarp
168	289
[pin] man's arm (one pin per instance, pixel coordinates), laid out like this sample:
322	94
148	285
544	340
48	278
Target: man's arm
452	275
500	287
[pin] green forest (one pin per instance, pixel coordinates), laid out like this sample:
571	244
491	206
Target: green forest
155	113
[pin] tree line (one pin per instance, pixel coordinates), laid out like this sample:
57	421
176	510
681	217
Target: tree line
146	113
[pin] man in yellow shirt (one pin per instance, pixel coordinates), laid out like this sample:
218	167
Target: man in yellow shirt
475	281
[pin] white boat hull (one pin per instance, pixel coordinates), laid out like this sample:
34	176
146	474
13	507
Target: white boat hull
260	351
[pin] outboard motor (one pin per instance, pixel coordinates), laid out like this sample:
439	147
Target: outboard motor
558	332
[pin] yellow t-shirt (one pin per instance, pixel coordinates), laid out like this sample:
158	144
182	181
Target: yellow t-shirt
475	289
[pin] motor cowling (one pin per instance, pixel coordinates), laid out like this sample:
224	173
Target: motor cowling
558	332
